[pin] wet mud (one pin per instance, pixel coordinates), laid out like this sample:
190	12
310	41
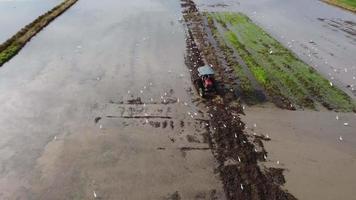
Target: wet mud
337	24
236	155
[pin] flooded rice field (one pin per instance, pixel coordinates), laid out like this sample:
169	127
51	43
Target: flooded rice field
106	110
100	105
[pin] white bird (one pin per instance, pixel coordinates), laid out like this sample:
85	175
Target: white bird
94	194
340	138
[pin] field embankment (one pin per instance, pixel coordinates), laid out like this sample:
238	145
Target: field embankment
288	81
346	4
13	45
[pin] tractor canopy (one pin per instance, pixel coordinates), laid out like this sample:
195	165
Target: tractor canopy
205	70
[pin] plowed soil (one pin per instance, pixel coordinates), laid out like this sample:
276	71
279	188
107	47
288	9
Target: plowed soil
236	155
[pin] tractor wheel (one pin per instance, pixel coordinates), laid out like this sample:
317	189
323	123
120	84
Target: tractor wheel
201	92
200	87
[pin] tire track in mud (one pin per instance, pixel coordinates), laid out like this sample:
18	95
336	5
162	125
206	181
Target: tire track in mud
237	156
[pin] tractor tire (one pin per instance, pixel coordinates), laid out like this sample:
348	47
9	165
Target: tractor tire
200	87
201	92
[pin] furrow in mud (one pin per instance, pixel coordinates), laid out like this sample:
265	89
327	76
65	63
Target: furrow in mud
237	157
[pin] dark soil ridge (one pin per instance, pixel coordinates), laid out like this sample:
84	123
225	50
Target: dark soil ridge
12	46
237	158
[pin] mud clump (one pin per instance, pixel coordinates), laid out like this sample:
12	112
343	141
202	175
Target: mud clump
164	124
155	124
97	119
136	101
192	139
277	175
237	158
181	123
174	196
171	124
169	100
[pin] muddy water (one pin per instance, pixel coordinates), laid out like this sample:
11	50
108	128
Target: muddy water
15	14
316	148
324	36
68	127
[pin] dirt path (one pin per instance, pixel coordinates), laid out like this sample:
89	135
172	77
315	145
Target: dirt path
73	126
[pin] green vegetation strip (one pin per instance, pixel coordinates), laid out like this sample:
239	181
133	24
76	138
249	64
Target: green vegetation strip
13	45
346	4
245	85
281	73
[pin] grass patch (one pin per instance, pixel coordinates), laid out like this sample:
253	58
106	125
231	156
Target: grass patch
279	71
13	45
8	53
346	4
